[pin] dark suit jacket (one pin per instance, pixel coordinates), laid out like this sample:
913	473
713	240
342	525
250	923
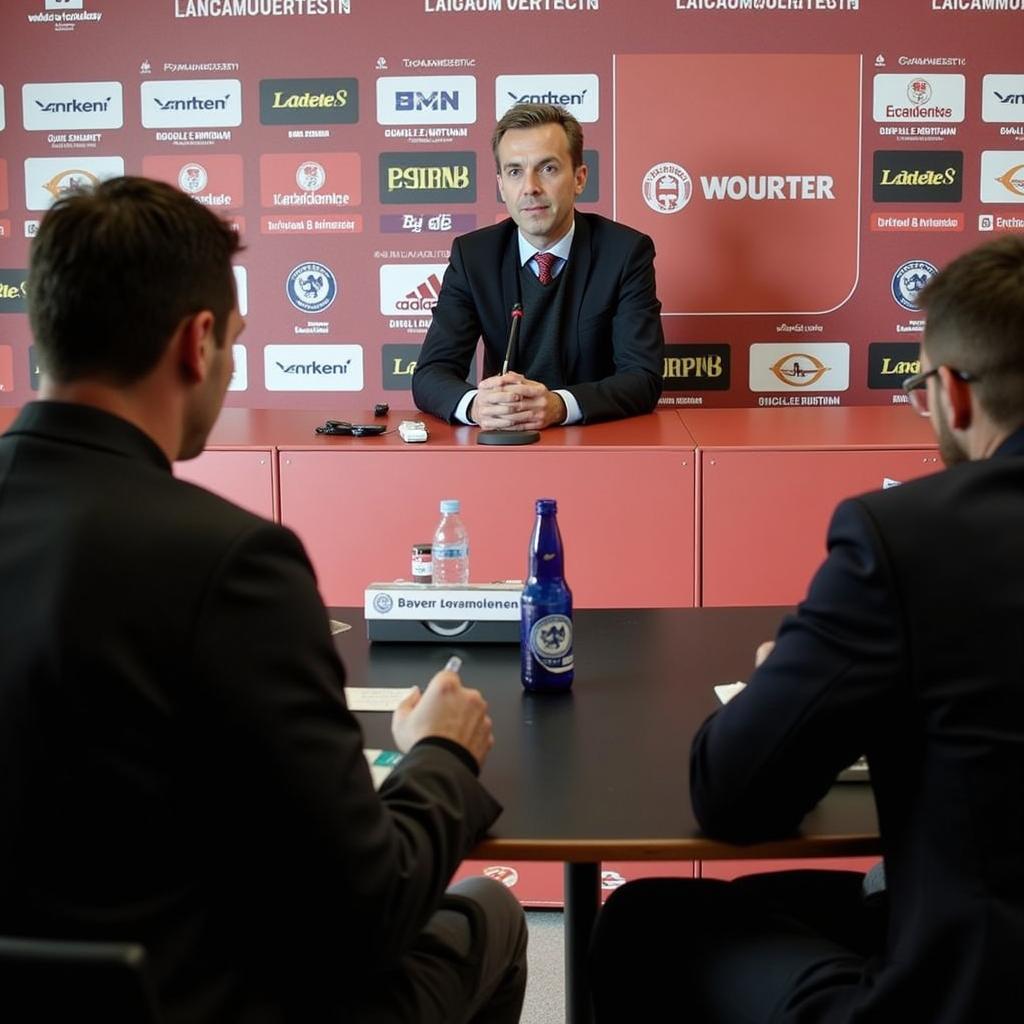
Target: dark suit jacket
613	351
908	648
177	763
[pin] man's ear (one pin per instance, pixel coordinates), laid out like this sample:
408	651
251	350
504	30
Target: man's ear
580	176
193	339
958	397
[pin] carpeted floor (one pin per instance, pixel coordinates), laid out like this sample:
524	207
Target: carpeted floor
545	986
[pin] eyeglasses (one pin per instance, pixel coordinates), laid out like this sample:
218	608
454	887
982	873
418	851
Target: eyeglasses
916	387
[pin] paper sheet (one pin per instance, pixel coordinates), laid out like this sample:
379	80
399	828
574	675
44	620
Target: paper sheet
726	691
374	698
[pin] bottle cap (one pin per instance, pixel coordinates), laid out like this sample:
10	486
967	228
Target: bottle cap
449	506
546	505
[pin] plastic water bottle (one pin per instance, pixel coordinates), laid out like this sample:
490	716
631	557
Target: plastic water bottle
546	633
450	552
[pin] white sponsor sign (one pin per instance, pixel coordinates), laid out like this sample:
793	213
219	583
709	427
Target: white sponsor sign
1002	176
56	106
313	367
426	100
47	178
410	289
242	289
491	602
799	366
918	99
1002	98
577	93
3	115
240	378
198	103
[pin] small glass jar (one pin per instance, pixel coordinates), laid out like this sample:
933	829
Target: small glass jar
422	563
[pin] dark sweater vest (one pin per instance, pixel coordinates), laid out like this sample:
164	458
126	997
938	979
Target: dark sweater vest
539	355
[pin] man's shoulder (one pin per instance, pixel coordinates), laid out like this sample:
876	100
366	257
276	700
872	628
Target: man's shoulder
604	230
205	502
489	239
967	489
896	497
200	533
157	503
222	521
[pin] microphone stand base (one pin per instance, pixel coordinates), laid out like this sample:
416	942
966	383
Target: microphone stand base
507	437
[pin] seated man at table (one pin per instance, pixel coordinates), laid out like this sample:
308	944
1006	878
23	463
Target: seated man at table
590	344
909	649
178	766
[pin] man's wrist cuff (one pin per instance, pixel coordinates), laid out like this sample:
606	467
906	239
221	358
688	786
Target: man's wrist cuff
452	747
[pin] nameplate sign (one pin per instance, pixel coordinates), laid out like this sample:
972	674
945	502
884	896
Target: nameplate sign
478	612
486	601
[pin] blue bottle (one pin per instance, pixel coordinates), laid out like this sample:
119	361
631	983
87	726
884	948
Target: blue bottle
546	634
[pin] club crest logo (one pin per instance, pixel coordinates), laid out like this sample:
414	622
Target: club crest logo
192	178
908	281
311	287
667	188
311	176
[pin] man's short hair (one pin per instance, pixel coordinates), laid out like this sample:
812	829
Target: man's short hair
113	271
975	323
536	115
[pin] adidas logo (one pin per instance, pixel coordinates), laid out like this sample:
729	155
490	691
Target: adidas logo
422	297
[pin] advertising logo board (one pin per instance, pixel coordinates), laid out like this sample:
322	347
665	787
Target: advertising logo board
56	106
438	178
919	99
313	367
577	93
426	100
47	178
1002	176
200	103
1002	98
757	208
791	366
309	101
918	176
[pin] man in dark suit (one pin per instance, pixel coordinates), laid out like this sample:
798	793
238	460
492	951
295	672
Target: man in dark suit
178	766
590	343
909	649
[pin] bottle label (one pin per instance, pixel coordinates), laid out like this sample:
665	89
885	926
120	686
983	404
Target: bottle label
551	642
456	551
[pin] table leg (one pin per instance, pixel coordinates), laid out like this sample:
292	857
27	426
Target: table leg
582	901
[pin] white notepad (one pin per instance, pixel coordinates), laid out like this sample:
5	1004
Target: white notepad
374	698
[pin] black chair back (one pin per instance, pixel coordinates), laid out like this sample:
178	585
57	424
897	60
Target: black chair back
44	981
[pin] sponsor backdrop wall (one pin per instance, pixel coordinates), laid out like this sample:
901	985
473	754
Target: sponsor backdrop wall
803	166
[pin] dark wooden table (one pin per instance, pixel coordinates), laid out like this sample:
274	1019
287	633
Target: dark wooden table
601	773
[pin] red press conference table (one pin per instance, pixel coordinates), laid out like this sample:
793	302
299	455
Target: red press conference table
677	508
721	506
360	504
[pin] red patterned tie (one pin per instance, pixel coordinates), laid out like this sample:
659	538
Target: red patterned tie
545	261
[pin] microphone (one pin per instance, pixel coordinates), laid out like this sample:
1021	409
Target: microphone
513	335
509	437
